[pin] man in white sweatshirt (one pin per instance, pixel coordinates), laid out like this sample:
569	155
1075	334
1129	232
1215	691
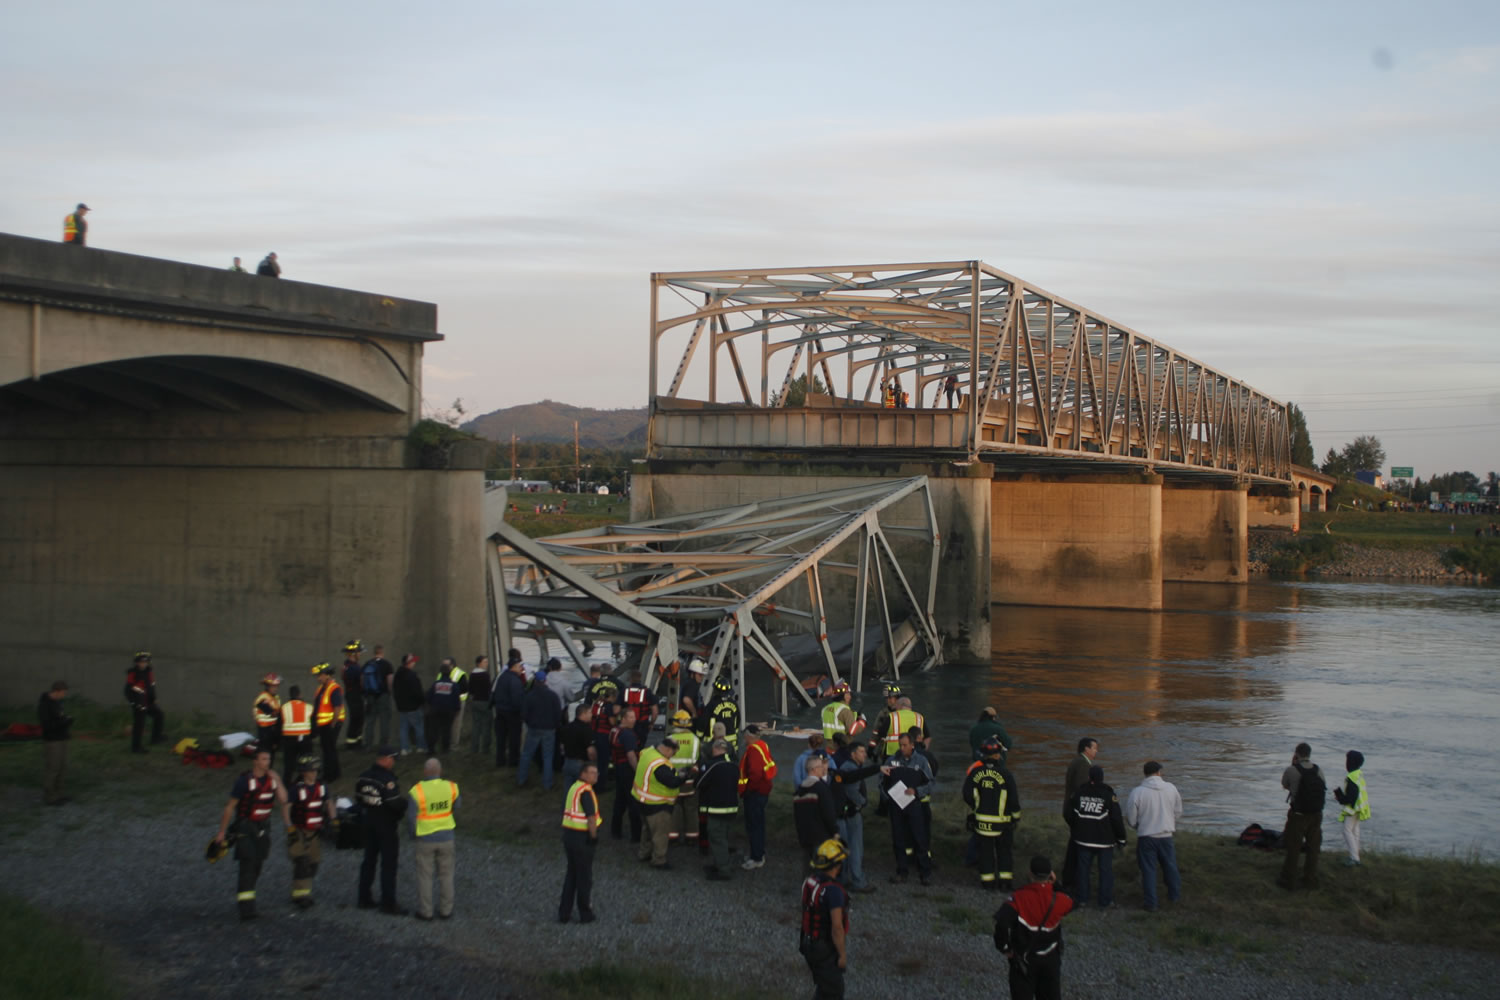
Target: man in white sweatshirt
1153	809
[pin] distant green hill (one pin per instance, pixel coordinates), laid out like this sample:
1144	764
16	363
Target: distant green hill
553	421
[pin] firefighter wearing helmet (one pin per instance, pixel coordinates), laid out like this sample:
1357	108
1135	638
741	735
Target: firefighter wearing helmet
267	712
825	919
724	708
839	715
684	826
990	792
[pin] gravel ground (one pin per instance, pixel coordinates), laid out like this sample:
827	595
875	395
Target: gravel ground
172	918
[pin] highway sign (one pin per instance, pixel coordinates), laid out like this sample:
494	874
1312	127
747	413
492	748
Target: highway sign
1402	471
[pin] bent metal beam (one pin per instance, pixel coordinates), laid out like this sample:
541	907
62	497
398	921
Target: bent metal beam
736	583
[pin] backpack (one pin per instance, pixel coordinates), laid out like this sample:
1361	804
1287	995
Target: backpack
370	678
1260	838
1312	791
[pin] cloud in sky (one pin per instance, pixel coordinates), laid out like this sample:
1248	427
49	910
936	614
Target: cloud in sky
1250	187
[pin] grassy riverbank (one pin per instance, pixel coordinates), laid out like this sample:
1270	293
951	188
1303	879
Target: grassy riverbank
1231	902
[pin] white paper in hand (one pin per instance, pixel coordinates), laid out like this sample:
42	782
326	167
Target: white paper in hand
898	795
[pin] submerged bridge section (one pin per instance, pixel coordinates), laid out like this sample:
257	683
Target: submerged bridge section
215	466
1114	461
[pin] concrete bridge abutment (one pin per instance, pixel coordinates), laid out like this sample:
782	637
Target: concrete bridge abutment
1274	507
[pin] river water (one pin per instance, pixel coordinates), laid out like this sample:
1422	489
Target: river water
1221	686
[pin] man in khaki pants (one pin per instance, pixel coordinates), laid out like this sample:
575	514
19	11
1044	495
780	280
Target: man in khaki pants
432	821
55	726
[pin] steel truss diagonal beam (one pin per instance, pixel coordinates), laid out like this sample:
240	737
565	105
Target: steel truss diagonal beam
1037	374
740	586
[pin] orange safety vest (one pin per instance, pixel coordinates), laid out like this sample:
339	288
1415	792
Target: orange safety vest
326	711
70	227
296	718
267	710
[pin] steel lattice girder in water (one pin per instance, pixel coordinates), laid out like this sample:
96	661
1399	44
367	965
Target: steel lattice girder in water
707	583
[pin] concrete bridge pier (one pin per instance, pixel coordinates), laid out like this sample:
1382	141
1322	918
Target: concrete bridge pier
1203	533
1082	540
1274	507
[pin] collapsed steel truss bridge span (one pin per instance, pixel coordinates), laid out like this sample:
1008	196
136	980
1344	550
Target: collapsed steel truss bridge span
805	358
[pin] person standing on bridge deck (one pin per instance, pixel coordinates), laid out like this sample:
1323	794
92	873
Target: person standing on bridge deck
75	229
269	267
950	389
237	267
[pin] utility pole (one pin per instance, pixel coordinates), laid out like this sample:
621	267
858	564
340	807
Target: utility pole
513	470
577	472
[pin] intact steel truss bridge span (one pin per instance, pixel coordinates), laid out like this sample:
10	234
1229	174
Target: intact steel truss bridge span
812	359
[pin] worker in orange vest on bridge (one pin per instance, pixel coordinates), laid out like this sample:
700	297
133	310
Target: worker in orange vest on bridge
75	229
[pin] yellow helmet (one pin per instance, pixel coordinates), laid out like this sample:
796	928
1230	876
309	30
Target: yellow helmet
322	668
184	745
829	853
216	849
353	646
682	719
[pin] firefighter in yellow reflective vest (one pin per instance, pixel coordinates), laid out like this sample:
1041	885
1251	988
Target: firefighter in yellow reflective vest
435	800
655	788
329	720
580	836
990	793
901	719
839	715
296	726
1355	799
267	712
685	808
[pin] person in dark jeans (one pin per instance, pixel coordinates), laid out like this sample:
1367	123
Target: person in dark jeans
1306	794
382	805
510	690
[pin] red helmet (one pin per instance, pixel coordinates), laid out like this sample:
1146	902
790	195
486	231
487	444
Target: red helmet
271	679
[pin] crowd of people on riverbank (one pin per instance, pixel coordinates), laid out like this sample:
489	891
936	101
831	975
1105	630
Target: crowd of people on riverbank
688	773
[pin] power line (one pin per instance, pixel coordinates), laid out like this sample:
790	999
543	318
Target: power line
1398	430
1444	392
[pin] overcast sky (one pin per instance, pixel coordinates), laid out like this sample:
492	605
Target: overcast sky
1302	195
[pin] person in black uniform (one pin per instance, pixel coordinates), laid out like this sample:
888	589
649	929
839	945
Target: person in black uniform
990	792
1093	815
140	691
256	794
383	805
825	921
911	836
354	700
725	709
580	838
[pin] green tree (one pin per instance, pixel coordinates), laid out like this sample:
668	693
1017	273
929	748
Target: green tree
1334	464
1302	449
1364	452
796	391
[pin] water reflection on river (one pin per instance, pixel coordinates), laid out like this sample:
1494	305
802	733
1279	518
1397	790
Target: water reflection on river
1221	686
